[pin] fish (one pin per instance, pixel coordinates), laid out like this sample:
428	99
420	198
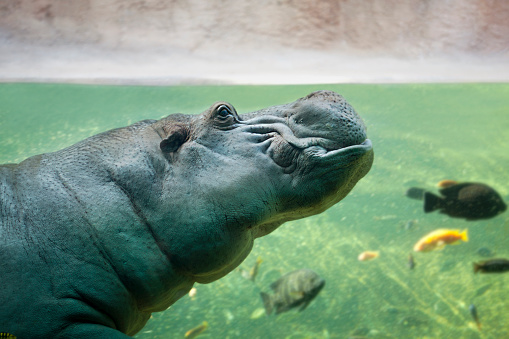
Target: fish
258	313
229	316
439	238
194	332
485	252
253	272
411	261
475	316
446	183
410	224
498	265
192	293
368	255
294	289
483	289
470	201
415	193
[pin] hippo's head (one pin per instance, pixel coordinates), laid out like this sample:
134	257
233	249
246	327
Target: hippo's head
230	178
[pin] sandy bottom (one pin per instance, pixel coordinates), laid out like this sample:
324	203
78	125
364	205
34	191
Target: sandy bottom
92	64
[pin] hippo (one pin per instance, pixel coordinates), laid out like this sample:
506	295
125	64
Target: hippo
99	235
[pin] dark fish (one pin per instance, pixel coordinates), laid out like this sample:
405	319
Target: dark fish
481	290
498	265
294	289
415	193
475	316
471	201
485	252
411	261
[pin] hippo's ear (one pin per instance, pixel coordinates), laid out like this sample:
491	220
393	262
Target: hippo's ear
177	135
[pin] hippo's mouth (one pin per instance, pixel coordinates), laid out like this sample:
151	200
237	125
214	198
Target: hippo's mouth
347	154
279	141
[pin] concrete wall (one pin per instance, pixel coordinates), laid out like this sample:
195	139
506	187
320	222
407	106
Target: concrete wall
377	27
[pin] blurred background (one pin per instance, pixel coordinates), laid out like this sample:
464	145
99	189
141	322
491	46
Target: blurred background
262	42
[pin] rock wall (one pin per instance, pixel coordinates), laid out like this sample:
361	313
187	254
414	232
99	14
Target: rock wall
376	27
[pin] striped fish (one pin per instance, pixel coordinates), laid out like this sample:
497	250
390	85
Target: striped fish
294	289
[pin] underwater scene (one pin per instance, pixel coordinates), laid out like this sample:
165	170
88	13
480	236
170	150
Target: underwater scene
367	255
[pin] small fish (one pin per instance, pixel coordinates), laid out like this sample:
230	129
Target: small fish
446	183
498	265
439	238
411	261
485	252
410	224
228	316
192	293
483	289
258	313
471	201
368	255
475	316
253	272
415	193
294	289
194	332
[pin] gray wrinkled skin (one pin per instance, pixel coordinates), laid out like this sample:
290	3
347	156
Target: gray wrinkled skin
97	236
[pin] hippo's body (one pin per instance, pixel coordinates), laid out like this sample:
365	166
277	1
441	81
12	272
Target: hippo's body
97	236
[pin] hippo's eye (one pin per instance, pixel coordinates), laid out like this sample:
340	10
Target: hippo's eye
224	116
223	111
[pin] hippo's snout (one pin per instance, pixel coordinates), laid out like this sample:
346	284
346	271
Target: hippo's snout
326	116
321	125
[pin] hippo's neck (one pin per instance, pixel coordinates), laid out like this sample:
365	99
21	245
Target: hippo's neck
92	223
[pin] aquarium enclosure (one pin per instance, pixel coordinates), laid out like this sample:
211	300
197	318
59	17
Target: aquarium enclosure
419	248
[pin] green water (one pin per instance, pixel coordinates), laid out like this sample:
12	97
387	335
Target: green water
421	135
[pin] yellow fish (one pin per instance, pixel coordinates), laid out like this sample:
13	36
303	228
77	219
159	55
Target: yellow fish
194	332
253	272
368	255
439	238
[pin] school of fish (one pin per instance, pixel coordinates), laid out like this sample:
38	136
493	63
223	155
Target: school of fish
470	201
466	200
